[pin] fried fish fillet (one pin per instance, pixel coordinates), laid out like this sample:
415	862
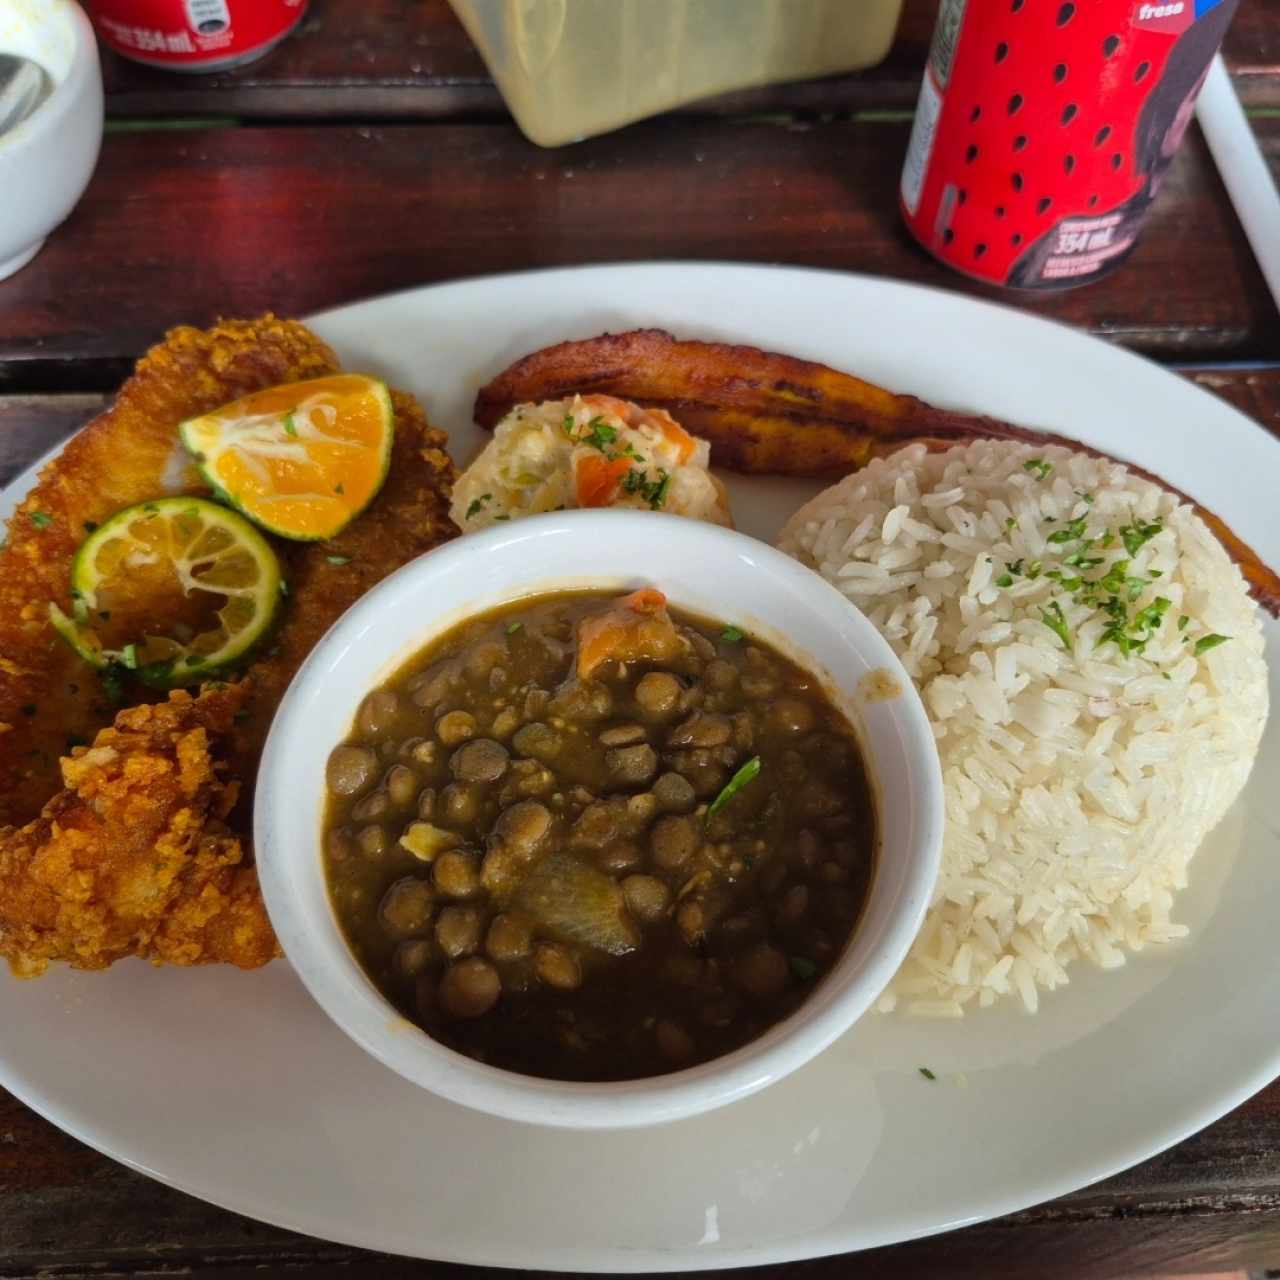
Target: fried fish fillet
771	414
50	699
133	857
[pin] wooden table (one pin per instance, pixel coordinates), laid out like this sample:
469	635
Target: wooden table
372	152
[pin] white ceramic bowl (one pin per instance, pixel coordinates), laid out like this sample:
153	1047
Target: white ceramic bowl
716	572
47	160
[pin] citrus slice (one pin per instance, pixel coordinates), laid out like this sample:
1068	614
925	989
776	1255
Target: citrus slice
302	459
175	590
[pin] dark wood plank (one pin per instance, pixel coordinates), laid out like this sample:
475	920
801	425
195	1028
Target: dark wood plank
392	58
181	225
32	425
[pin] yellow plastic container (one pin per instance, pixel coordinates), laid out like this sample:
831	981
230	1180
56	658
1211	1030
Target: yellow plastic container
573	68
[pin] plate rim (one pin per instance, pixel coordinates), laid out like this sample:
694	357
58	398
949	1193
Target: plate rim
826	1241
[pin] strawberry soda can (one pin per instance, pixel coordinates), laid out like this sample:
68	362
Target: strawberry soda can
1044	130
195	35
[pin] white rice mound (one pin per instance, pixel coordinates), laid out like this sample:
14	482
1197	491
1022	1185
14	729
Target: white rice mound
1079	782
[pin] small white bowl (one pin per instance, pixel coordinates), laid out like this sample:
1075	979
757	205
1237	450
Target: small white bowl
47	160
716	572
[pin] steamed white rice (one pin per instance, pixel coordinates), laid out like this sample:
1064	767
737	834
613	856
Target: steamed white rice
1079	780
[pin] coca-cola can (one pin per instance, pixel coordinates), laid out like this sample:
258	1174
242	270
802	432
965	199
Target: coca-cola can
195	35
1045	129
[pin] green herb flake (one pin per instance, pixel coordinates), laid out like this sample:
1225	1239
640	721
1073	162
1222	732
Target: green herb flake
1164	675
803	968
1038	467
500	518
747	774
1034	570
567	425
41	519
339	560
1004	580
1137	535
129	656
732	635
1010	525
1182	622
599	434
1072	532
513	627
290	427
928	1075
113	683
1211	641
1053	618
339	488
477	503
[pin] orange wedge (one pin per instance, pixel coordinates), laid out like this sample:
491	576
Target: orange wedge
302	460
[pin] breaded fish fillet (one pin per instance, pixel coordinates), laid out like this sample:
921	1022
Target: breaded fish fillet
50	700
133	857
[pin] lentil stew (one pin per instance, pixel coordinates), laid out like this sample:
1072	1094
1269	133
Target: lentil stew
593	838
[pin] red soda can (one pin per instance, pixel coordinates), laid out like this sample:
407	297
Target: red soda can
1045	128
195	35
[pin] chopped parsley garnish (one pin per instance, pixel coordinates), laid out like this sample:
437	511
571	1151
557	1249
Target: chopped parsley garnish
1069	533
1034	569
748	773
599	434
804	968
567	425
654	492
502	517
1182	622
1038	467
1053	618
1086	498
290	428
732	635
1010	525
338	559
513	627
1004	580
113	683
41	519
1130	635
1212	641
928	1075
1135	536
477	503
339	488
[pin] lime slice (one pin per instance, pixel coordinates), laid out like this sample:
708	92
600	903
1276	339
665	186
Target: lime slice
302	459
175	590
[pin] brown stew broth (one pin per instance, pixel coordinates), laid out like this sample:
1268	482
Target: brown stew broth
566	906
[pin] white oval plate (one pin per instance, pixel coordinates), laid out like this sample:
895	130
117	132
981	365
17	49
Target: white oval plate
236	1087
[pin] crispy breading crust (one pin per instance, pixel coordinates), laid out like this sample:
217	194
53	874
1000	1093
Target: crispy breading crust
133	857
145	850
128	454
